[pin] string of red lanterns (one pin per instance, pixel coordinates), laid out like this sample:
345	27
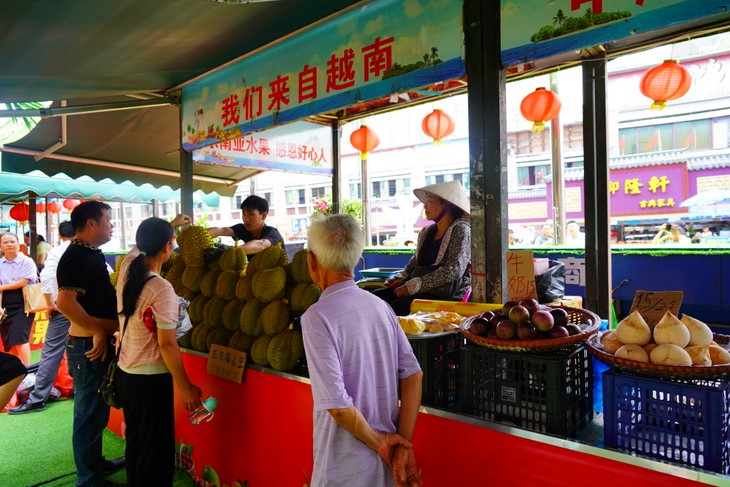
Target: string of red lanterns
665	82
364	139
540	106
20	212
71	204
437	125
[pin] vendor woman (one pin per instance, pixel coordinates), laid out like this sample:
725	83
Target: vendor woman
440	267
16	271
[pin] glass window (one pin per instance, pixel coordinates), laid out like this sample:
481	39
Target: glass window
391	187
721	133
355	193
319	192
295	197
376	189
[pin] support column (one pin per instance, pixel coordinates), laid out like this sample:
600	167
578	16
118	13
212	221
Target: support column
336	165
487	150
186	183
595	188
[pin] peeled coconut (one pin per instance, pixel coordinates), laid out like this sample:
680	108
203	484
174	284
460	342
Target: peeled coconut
700	355
649	347
699	333
632	351
633	329
719	355
670	354
610	342
671	330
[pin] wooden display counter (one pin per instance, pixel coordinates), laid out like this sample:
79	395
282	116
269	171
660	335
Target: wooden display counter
262	432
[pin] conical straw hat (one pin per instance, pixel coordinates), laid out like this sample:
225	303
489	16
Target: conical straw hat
451	191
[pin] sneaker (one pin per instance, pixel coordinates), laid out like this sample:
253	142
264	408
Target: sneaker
28	407
111	466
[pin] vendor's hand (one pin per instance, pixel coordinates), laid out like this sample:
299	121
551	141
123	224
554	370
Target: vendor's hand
191	394
99	348
388	442
180	220
404	468
393	282
401	291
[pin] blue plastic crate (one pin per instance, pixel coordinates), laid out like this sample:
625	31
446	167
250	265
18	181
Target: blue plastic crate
679	421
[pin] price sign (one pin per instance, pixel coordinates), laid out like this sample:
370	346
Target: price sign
520	275
652	305
227	363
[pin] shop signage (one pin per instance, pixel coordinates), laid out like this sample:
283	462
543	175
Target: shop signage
648	190
652	305
40	326
520	275
227	363
298	147
536	30
381	48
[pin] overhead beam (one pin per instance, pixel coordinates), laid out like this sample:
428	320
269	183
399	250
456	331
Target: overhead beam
85	109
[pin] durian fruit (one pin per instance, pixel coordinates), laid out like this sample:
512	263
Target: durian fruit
192	276
253	265
298	267
232	314
174	276
243	288
234	258
174	257
273	256
113	277
699	333
275	317
207	284
671	330
213	312
200	337
240	341
188	294
193	242
249	322
259	350
700	355
120	260
632	351
670	354
186	341
633	329
218	336
719	355
303	296
225	287
195	310
285	349
269	284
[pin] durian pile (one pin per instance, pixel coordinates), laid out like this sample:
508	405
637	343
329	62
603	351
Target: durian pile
246	305
672	341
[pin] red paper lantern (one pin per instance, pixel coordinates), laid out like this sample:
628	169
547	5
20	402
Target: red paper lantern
437	125
71	204
40	207
539	107
20	212
665	82
364	139
54	207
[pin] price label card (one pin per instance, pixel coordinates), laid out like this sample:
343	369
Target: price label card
653	304
520	275
227	363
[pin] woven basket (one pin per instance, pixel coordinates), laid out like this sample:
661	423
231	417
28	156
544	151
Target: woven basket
595	347
587	320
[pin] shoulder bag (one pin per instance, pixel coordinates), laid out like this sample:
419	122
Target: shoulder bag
33	299
107	389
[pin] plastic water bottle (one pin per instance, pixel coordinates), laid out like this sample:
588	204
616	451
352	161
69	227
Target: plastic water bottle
205	412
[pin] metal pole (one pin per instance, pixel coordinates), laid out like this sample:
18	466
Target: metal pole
336	165
365	199
556	138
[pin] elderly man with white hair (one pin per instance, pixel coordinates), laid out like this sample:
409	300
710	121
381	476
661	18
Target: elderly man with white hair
358	358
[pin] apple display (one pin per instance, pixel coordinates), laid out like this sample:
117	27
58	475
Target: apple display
506	330
543	320
531	304
560	316
519	314
526	331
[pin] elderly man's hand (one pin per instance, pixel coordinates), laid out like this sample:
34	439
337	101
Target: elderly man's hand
404	468
388	442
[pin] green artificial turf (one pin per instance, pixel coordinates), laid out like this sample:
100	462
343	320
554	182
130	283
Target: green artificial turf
35	449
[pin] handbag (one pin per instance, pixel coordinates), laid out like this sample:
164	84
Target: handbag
34	300
107	389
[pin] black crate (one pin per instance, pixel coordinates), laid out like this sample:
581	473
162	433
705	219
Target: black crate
440	360
679	421
549	392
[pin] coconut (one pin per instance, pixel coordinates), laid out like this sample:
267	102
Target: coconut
633	329
670	354
700	355
671	330
632	351
699	333
610	342
719	355
649	347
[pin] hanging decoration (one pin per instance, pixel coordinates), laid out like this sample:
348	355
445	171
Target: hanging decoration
20	213
40	207
540	106
71	204
364	139
437	125
54	207
665	82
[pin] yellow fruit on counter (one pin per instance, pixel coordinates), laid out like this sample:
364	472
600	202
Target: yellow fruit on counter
671	330
670	354
699	333
633	329
719	355
610	342
699	355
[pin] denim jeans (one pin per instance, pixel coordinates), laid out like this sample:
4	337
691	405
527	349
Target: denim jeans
51	357
91	415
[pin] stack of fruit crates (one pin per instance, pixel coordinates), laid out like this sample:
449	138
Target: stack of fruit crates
545	392
679	421
440	360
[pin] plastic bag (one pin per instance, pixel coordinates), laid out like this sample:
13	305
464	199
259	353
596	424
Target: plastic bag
550	285
184	324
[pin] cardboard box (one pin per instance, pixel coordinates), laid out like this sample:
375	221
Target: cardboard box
571	301
464	309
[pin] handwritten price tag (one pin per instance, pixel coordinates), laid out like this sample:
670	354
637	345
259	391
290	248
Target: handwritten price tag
520	275
653	304
227	363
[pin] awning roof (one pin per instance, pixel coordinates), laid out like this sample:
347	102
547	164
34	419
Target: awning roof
90	52
61	186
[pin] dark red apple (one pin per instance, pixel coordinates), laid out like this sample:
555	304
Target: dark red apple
492	334
560	316
558	332
519	314
526	331
487	315
506	330
479	326
531	305
573	329
543	320
508	306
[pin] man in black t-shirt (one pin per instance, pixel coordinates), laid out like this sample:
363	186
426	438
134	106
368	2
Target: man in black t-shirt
255	234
